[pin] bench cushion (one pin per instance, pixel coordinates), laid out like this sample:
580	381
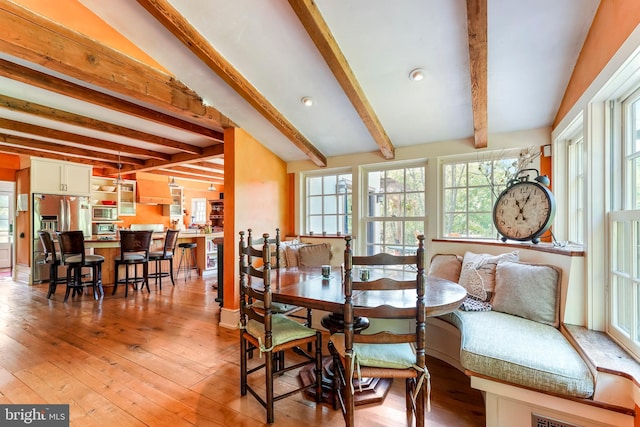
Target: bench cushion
521	352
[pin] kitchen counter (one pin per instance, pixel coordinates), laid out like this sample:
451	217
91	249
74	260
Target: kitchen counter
110	248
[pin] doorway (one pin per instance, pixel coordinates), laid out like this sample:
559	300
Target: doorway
7	215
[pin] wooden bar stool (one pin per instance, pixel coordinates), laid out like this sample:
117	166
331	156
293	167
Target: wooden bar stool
187	259
166	254
73	255
134	251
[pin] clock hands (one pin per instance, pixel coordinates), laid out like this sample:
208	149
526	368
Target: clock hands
521	207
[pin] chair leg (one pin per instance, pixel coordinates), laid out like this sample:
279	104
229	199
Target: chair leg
53	280
69	283
243	365
268	364
94	281
318	367
171	271
99	267
115	284
145	275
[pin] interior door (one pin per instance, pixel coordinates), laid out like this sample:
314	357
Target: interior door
5	231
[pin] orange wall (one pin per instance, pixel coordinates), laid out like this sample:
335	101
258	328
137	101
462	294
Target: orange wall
256	197
9	164
613	23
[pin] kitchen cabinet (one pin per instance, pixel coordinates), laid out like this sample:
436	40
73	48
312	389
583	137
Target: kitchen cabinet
104	193
174	210
127	198
216	216
58	177
124	196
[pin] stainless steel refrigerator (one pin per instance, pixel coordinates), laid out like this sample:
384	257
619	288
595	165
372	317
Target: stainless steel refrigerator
53	212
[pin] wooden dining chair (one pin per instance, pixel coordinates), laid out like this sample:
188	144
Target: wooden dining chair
269	332
134	251
384	354
165	255
74	256
287	309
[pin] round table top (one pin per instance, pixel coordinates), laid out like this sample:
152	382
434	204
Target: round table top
305	286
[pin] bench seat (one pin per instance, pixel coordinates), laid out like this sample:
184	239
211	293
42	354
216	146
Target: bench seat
521	352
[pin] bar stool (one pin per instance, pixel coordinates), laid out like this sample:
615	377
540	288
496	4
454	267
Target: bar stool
134	251
166	254
187	257
74	257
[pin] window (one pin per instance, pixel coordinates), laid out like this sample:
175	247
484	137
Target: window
199	211
329	204
5	226
575	189
395	210
624	262
469	192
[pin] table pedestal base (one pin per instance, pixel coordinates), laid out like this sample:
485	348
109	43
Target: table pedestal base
374	390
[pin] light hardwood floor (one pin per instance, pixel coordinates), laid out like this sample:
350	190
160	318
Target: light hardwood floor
160	359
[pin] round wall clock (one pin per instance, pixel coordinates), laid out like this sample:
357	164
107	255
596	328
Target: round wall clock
525	209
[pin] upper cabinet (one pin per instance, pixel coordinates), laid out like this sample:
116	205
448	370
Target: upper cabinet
57	177
127	198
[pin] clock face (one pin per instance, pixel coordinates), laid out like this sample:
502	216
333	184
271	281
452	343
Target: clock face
524	211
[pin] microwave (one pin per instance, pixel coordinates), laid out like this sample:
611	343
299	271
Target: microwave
105	213
104	228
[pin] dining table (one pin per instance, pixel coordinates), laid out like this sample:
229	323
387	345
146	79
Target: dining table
306	287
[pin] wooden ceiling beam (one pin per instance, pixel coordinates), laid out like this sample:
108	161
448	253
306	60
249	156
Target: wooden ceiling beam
477	32
193	171
177	159
44	132
321	35
66	149
187	176
61	116
184	31
208	165
12	149
36	39
60	86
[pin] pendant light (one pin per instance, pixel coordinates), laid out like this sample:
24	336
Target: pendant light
118	180
211	187
173	182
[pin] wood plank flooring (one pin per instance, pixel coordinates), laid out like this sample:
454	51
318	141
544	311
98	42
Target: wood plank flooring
160	359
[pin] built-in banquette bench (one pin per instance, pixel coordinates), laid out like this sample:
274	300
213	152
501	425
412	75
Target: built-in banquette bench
510	339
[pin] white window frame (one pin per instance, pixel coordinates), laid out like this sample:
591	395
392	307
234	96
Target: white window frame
199	210
497	188
343	211
367	222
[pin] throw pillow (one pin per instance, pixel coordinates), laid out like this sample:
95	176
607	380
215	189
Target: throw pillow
446	266
531	291
291	252
315	255
478	272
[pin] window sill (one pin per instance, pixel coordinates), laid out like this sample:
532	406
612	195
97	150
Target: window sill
604	353
569	250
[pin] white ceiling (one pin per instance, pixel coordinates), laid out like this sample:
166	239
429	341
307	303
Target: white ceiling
532	49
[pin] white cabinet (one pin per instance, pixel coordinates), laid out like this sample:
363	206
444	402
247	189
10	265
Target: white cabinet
174	210
57	177
211	253
127	198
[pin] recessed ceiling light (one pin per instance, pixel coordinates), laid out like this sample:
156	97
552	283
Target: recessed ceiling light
306	100
416	74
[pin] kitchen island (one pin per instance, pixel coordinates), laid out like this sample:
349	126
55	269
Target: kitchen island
205	252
